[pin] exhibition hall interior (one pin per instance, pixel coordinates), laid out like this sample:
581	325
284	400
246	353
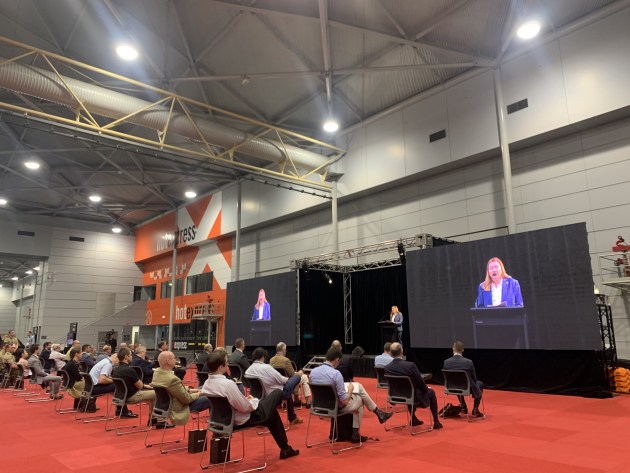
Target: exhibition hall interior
183	182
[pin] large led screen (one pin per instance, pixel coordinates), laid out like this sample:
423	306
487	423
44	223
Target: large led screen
531	290
262	310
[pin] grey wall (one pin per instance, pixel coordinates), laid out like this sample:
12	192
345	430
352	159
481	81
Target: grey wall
7	310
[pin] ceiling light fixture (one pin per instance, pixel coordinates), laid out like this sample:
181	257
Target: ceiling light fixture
29	272
330	125
190	194
36	268
32	165
95	198
328	278
14	278
126	52
528	30
4	201
116	229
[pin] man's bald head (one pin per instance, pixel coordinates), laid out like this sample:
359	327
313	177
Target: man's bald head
336	344
164	359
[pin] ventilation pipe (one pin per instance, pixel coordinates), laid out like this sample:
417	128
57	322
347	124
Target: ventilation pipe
48	86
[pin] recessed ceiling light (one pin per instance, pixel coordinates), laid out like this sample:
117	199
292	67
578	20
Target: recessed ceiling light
3	201
29	272
32	165
127	52
14	278
0	285
190	194
528	30
116	229
331	125
95	198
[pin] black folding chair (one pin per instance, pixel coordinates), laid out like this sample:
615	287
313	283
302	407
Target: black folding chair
401	391
84	401
457	383
162	413
65	381
222	425
381	381
202	377
119	400
325	403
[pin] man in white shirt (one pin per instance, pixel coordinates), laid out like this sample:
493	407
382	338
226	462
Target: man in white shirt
247	410
271	379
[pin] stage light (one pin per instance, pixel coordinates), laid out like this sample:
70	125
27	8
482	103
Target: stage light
328	278
305	270
401	253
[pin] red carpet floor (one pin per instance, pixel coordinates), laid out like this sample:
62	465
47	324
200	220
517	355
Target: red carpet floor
522	433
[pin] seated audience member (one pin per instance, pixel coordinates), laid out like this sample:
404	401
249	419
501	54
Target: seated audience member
22	359
248	410
86	356
385	358
280	360
185	399
7	356
352	396
163	346
203	356
345	364
76	383
57	357
140	359
11	339
458	362
107	352
75	344
238	356
272	380
425	396
41	376
101	376
45	357
137	391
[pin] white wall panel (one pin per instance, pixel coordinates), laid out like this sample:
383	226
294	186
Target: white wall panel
596	65
472	117
537	77
385	150
354	164
10	242
8	311
420	121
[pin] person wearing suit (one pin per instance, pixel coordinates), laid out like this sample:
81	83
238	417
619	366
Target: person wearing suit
239	358
458	362
425	396
499	289
396	317
345	363
185	399
35	364
262	308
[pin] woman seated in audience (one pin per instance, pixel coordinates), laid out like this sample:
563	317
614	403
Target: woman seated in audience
76	383
22	356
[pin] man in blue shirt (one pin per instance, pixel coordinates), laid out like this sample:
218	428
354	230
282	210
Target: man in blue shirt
352	396
382	360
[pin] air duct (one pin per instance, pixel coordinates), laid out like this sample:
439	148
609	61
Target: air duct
46	85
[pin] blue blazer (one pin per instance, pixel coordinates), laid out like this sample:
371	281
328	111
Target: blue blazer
510	294
398	320
266	312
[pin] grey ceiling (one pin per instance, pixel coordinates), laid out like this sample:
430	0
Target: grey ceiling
285	62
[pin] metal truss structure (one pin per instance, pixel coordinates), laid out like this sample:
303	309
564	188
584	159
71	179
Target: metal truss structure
609	346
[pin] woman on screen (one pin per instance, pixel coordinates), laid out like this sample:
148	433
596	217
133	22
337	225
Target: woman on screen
498	289
262	309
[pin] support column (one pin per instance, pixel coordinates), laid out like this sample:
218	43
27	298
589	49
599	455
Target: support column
236	263
171	315
335	221
505	152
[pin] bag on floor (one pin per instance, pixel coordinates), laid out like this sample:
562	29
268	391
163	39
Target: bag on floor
344	428
449	410
219	451
196	440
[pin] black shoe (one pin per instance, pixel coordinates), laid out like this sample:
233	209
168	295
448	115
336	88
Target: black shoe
476	413
128	415
297	403
464	409
426	376
288	453
415	421
357	437
437	425
382	415
164	425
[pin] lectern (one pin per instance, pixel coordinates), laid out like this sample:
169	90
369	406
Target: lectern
260	333
388	331
500	317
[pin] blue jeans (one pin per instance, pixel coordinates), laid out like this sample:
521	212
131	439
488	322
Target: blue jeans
287	395
201	404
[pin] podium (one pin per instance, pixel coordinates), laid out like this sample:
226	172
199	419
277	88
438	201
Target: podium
483	317
260	333
388	331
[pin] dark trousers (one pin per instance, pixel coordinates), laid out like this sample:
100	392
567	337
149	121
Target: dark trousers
462	399
267	415
287	395
432	406
99	389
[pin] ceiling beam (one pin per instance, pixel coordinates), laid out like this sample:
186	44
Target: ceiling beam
323	27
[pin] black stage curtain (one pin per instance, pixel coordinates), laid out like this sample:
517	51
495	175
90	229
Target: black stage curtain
321	312
374	292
